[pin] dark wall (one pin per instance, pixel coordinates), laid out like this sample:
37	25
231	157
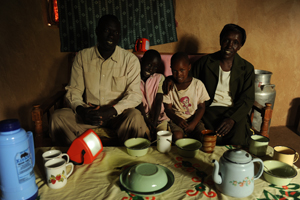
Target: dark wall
31	64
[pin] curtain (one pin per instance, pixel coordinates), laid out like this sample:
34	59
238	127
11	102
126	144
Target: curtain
151	19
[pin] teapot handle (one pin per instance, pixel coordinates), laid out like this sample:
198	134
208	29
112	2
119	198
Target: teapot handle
261	168
31	144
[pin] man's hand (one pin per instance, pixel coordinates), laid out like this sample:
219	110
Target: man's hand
95	115
225	127
106	113
89	115
168	84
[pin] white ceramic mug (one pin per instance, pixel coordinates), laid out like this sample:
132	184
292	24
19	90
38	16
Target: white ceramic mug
48	155
258	145
285	154
56	172
164	141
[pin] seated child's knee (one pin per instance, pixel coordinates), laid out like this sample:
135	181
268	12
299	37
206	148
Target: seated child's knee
177	135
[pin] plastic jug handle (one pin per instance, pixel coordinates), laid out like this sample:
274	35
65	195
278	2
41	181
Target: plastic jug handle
31	144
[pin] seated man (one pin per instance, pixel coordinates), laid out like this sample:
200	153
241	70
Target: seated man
109	78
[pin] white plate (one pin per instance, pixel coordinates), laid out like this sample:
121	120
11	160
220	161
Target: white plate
170	176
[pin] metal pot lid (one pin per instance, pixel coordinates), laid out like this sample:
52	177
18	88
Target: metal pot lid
237	156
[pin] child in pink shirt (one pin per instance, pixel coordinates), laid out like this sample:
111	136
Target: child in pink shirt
151	87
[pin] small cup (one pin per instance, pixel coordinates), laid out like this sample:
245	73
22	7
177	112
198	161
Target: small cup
209	140
164	141
56	172
258	145
48	155
285	154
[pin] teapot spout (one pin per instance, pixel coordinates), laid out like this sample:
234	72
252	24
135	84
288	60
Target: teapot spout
215	175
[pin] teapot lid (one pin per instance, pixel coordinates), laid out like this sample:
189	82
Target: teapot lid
238	156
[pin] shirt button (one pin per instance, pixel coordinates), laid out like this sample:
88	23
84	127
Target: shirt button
103	75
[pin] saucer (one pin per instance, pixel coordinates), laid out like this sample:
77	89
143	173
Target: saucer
170	182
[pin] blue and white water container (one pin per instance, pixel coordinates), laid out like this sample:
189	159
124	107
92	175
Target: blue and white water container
17	160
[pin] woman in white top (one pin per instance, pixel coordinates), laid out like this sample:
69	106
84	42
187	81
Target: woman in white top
229	80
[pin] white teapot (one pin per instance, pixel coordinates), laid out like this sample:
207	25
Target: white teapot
234	175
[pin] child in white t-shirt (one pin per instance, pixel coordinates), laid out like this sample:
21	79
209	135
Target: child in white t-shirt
185	103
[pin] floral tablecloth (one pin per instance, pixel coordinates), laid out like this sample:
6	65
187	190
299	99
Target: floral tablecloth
100	179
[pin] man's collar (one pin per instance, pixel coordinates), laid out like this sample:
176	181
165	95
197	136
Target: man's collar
113	57
97	54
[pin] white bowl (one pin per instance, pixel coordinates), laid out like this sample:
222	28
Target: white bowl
279	172
137	146
146	177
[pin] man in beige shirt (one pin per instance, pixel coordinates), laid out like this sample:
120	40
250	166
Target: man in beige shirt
109	78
